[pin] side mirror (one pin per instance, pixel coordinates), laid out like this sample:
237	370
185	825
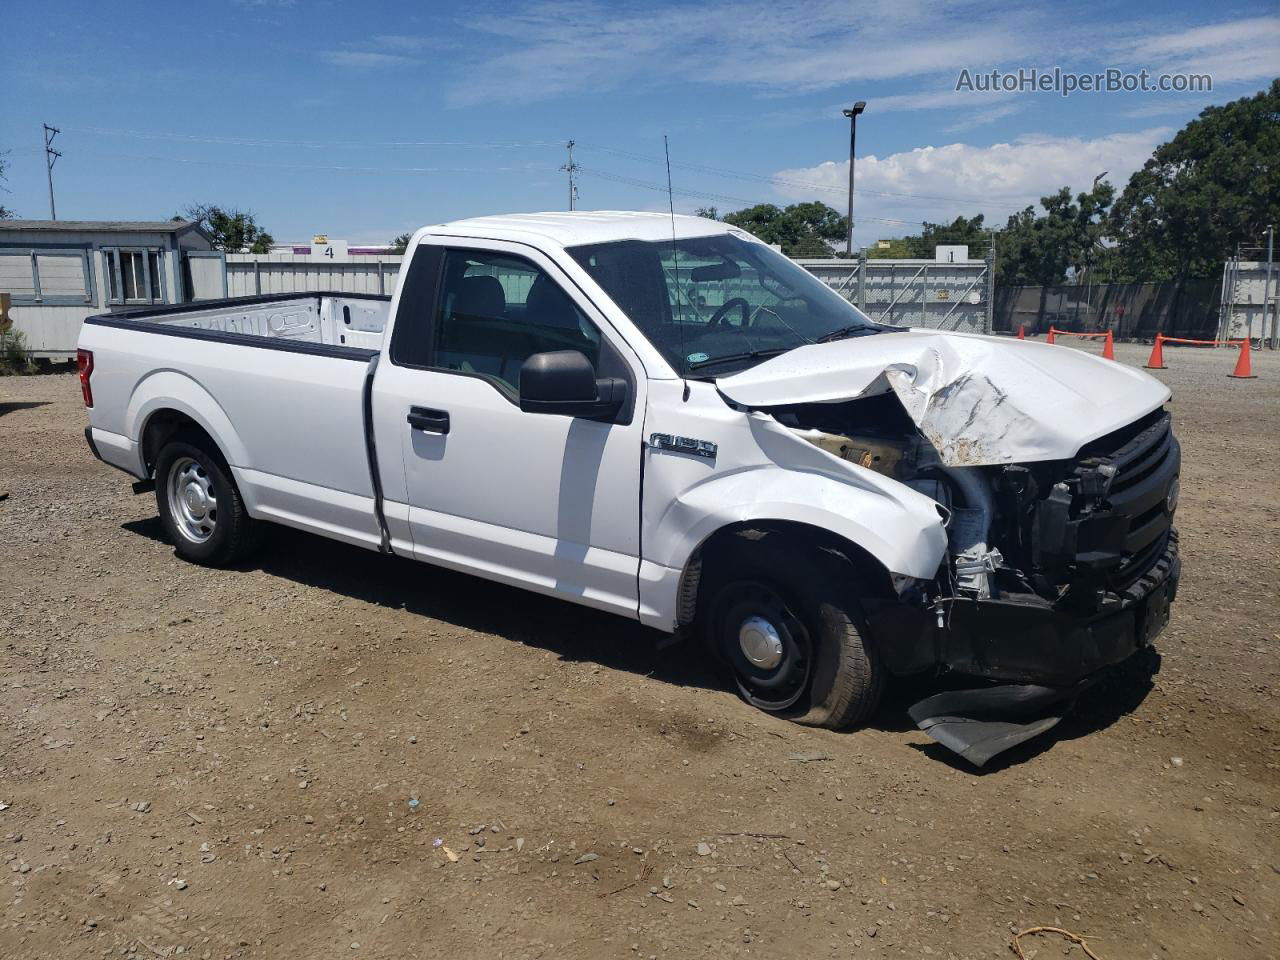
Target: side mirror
564	382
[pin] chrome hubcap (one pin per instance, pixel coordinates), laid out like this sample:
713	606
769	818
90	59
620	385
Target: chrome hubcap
760	642
192	500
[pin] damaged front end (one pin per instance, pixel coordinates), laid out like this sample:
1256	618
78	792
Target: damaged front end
1055	570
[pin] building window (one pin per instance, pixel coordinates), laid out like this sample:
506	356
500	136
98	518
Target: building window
134	276
46	276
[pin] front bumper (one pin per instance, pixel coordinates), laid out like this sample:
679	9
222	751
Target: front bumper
1022	638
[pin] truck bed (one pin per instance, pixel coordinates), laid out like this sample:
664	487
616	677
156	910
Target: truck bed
328	319
281	384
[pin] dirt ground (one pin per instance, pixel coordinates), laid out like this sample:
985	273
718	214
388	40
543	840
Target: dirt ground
330	753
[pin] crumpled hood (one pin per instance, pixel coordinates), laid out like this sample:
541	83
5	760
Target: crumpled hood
979	400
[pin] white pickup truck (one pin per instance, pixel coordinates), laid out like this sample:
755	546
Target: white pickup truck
666	419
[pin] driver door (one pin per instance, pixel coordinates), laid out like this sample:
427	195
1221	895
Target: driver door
543	501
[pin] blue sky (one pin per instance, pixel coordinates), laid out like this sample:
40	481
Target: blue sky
363	120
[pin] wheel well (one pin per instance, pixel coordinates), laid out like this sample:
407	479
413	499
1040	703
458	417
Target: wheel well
162	426
718	548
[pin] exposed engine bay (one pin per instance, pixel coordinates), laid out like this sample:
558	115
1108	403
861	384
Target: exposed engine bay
1072	532
1054	569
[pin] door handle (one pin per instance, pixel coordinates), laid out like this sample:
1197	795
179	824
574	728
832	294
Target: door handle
428	420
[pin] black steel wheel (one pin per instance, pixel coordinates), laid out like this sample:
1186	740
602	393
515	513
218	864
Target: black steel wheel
783	619
765	644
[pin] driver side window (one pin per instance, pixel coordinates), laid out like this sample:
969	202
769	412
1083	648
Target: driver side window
496	311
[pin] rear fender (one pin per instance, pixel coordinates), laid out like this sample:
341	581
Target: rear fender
171	390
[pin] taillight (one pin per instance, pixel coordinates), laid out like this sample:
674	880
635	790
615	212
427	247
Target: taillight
84	363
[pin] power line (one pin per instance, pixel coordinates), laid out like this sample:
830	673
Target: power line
704	194
325	144
742	175
572	167
503	145
203	161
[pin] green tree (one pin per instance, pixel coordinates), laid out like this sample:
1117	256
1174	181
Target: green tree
711	213
1041	248
968	231
1215	184
801	229
962	231
893	248
233	231
401	243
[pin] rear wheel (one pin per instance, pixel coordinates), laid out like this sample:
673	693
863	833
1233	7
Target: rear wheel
200	507
784	621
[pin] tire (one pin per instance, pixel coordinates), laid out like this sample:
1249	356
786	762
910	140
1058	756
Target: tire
200	506
779	599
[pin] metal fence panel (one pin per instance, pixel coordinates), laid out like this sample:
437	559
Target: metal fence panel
250	274
913	293
1132	311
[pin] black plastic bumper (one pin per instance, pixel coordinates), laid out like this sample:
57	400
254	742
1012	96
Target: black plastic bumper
1025	639
145	485
93	447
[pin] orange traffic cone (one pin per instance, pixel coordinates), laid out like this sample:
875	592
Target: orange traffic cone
1022	332
1156	361
1243	370
1050	340
1109	348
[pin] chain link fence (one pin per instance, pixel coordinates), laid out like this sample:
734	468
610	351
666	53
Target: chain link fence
1133	311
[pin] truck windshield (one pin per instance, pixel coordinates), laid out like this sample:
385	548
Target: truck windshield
713	305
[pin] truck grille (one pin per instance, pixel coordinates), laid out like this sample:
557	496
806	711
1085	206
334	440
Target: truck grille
1146	466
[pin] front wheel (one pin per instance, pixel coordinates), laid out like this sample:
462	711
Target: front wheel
200	507
785	624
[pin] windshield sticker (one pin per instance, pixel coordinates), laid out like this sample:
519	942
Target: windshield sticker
697	357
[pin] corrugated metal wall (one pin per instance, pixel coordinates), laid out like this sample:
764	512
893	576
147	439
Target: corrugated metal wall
913	293
250	274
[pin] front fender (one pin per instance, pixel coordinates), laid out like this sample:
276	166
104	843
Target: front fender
901	529
171	390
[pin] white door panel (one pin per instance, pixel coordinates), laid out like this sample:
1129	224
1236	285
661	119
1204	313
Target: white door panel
547	502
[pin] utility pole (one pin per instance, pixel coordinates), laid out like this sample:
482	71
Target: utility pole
50	158
1266	294
852	114
571	168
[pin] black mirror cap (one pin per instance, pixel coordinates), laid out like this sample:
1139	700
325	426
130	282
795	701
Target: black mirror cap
557	376
564	382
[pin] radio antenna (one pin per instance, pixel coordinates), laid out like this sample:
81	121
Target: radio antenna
675	260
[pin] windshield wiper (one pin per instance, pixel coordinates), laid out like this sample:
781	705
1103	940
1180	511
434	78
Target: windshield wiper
731	357
859	330
853	330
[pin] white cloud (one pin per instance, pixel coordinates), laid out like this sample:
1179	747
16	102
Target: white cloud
789	47
945	99
984	116
941	182
383	50
1232	52
785	46
364	59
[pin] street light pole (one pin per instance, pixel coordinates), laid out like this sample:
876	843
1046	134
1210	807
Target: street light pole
852	114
